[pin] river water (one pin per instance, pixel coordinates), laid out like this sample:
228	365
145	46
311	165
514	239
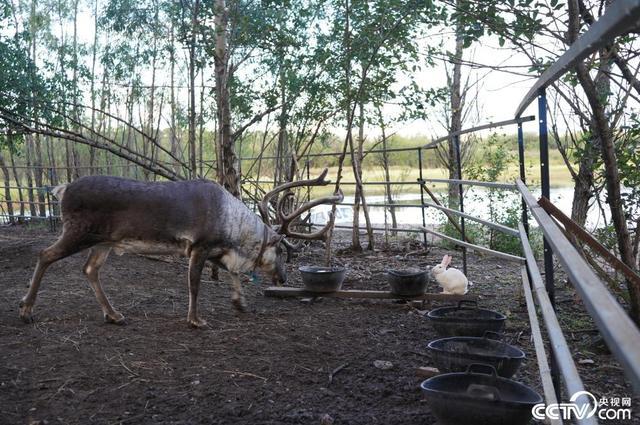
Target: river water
477	202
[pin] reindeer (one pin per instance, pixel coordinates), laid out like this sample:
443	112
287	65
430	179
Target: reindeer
198	219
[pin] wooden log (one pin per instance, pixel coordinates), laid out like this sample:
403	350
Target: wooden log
577	231
287	292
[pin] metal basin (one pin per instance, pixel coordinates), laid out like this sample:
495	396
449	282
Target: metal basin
456	354
407	283
465	321
479	398
322	279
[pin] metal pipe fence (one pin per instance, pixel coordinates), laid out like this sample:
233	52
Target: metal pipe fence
620	333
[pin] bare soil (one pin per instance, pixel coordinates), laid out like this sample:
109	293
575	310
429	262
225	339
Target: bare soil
284	361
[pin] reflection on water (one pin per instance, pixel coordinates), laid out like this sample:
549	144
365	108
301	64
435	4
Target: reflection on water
476	203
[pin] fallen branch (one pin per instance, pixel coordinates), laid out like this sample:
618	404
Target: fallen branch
335	371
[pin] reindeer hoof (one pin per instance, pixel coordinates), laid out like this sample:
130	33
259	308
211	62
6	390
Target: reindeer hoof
240	304
116	318
25	312
197	323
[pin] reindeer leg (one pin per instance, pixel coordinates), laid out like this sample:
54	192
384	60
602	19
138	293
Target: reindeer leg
214	272
237	298
69	243
91	269
197	260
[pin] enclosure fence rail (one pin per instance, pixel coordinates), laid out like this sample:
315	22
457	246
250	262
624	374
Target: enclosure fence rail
538	343
499	227
560	351
618	330
620	17
326	154
517	120
497	185
474	247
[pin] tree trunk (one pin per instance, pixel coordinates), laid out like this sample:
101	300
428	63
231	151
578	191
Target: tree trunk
53	173
37	154
76	115
7	188
355	165
456	116
610	162
387	175
227	161
147	146
27	172
284	170
356	158
172	60
18	183
583	186
192	90
38	176
201	126
92	150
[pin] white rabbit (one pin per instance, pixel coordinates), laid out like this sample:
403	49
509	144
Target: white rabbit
452	281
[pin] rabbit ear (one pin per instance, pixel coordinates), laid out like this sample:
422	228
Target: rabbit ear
448	259
444	261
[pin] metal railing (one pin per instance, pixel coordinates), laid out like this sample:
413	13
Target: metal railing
620	333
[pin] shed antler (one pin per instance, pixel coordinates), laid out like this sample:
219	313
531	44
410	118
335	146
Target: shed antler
285	219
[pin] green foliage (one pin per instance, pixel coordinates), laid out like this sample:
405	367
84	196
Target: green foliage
512	19
23	90
492	165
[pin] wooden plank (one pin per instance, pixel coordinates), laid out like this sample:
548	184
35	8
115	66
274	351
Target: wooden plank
585	237
288	292
484	250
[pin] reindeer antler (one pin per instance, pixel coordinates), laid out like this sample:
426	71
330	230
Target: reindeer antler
263	206
287	219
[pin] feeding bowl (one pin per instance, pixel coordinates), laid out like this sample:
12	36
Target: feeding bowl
479	398
322	279
465	321
456	354
407	283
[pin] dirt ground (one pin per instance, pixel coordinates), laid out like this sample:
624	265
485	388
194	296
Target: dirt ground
284	361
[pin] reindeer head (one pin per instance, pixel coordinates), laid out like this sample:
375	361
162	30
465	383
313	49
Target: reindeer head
273	256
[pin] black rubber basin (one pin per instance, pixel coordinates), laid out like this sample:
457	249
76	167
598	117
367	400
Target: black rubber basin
322	279
464	320
407	283
456	354
479	398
